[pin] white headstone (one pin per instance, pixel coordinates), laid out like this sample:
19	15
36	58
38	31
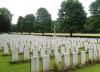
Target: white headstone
35	64
46	63
21	49
56	50
48	51
67	49
31	48
12	47
5	50
75	60
14	55
83	57
35	52
67	59
62	50
95	54
42	52
90	55
99	54
72	48
26	54
98	46
58	58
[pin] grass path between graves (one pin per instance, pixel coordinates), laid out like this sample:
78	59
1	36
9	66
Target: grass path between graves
5	66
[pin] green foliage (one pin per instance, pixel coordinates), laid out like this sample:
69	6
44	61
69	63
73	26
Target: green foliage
93	24
43	21
28	23
95	8
72	17
55	65
19	24
5	20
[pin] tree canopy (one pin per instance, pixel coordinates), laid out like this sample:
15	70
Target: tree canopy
19	24
5	20
26	24
95	8
72	16
43	21
93	22
72	19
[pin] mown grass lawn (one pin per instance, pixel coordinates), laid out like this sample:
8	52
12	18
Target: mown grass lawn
92	68
5	66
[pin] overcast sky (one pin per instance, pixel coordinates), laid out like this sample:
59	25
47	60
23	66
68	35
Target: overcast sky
23	7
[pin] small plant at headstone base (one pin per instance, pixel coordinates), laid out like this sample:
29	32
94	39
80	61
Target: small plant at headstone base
78	66
18	62
5	55
20	53
72	67
66	69
75	67
90	62
52	55
59	48
98	59
0	50
55	66
63	68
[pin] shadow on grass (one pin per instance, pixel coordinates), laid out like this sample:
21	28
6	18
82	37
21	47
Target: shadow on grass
19	62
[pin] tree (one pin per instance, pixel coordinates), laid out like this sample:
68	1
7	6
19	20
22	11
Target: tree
43	21
93	22
19	24
95	8
72	16
5	20
28	23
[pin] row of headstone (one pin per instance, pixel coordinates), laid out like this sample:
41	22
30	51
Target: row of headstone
47	42
15	55
35	63
93	55
45	51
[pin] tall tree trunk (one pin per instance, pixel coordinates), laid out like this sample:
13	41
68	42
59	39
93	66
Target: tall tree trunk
71	34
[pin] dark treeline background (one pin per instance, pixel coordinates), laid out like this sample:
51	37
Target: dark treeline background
71	19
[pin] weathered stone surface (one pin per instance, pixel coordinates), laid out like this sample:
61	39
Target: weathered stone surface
46	63
14	55
75	60
35	52
83	57
35	64
67	59
26	54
